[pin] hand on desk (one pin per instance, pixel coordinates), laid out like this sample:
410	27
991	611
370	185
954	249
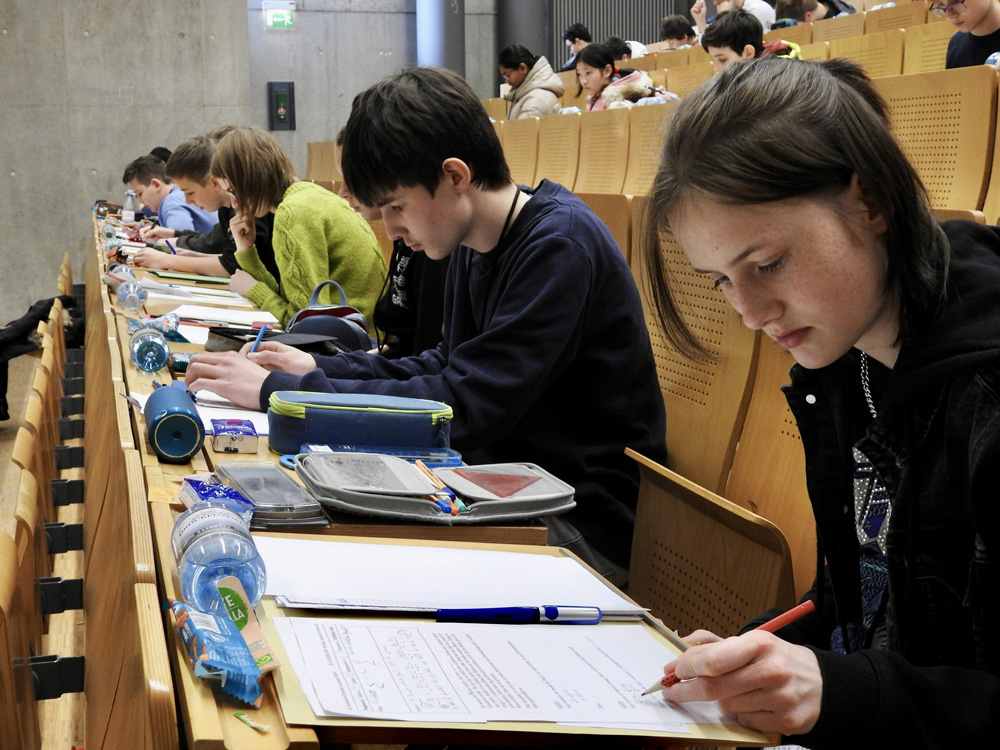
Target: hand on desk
274	356
771	685
229	374
156	233
241	282
149	258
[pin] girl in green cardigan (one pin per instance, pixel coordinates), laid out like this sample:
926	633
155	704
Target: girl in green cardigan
317	236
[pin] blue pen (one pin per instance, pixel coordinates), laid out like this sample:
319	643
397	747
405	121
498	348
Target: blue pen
172	251
556	615
260	336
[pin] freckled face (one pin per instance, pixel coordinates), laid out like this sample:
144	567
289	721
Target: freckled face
811	277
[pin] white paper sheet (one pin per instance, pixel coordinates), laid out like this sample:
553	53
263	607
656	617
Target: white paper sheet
345	575
426	671
194	334
222	315
207	412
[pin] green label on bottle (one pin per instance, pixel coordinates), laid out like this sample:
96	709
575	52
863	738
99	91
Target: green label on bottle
235	606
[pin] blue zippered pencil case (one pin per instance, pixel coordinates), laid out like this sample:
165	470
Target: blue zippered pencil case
298	417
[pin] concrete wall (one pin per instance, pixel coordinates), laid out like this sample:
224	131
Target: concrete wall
86	87
339	48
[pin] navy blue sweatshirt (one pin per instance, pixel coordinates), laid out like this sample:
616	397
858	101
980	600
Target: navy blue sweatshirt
545	358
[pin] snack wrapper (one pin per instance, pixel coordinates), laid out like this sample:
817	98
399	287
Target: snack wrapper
200	488
165	324
218	652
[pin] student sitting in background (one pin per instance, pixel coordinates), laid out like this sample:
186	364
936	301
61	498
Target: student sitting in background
676	31
411	309
316	234
545	355
604	83
757	8
147	176
736	36
978	36
211	253
807	11
534	89
576	37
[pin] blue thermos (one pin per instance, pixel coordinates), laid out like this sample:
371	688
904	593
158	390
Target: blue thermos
173	425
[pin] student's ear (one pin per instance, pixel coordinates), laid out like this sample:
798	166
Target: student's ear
156	183
748	53
457	174
523	69
859	201
215	184
609	70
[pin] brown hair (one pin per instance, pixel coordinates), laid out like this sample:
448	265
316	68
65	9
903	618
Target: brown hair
255	166
773	129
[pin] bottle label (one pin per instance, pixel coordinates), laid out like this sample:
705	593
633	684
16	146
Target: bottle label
128	217
197	522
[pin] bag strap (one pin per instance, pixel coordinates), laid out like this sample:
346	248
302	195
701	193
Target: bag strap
315	295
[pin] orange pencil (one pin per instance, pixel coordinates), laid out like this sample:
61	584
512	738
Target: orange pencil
770	626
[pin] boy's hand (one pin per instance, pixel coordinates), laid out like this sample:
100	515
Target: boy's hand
244	230
157	233
228	374
241	282
698	13
149	258
274	356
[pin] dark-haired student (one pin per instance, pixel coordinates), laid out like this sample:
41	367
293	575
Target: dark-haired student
545	354
534	89
410	311
147	176
782	181
576	37
211	253
978	35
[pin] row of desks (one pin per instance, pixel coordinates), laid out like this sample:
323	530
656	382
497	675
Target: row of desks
131	569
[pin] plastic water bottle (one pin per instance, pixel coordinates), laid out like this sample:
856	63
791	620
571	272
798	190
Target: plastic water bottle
148	349
129	207
131	295
211	542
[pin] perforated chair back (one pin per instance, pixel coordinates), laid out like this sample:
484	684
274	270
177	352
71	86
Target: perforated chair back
700	561
769	473
705	399
839	28
945	122
615	210
603	151
901	16
926	47
647	129
879	54
520	147
682	81
558	149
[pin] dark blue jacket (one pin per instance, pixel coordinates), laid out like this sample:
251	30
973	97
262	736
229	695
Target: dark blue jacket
545	358
936	445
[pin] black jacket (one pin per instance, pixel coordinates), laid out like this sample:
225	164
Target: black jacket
936	446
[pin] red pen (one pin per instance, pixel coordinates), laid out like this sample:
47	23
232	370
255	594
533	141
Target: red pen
770	626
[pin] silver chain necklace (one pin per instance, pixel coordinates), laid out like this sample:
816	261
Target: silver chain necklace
866	386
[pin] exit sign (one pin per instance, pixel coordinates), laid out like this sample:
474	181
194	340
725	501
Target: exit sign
278	14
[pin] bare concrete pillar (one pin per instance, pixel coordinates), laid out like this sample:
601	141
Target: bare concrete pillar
524	22
441	34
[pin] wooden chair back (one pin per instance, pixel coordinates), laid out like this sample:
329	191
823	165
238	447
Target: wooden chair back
520	147
991	203
926	47
698	54
18	714
879	54
29	534
571	84
647	128
498	127
815	51
946	124
950	214
682	81
558	149
705	399
615	210
799	34
769	473
312	160
384	242
645	63
673	58
901	16
496	107
839	28
700	561
603	151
